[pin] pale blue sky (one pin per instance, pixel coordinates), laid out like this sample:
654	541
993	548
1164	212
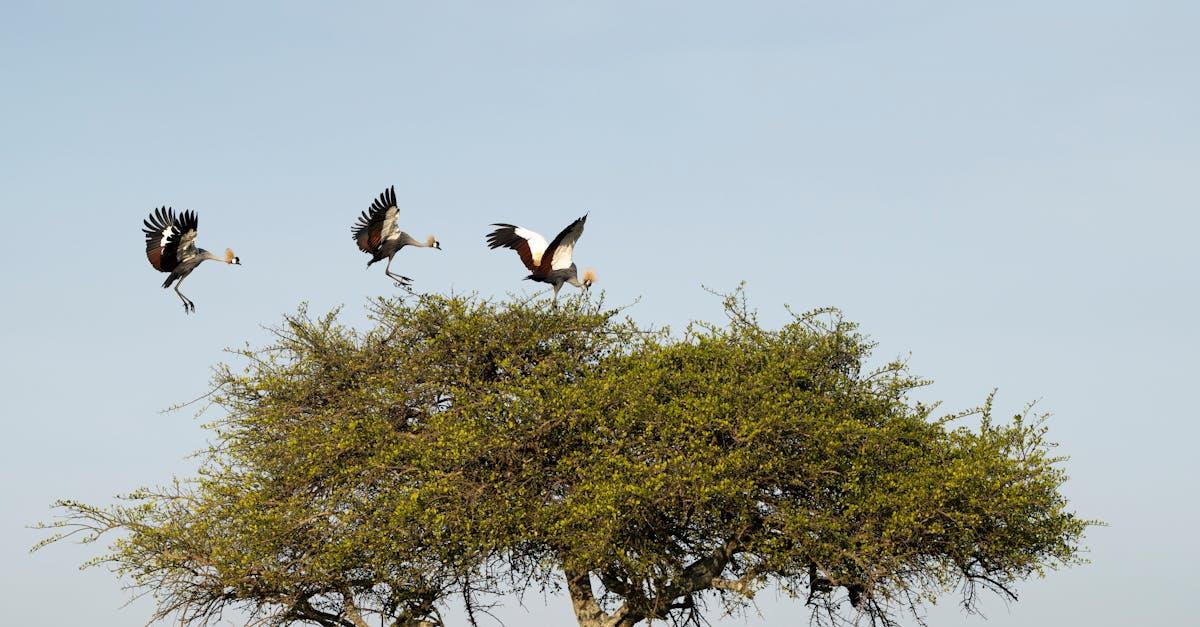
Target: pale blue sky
1005	191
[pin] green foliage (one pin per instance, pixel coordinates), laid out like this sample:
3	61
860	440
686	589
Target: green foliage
475	448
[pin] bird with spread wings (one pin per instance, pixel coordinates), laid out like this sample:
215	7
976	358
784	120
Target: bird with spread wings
378	234
171	247
547	263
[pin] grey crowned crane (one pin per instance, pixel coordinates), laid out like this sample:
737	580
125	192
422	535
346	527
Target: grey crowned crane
548	263
378	234
171	247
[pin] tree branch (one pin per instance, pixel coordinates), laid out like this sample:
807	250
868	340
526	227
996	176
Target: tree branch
700	574
304	610
743	585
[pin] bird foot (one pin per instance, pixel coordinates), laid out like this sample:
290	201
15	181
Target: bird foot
189	307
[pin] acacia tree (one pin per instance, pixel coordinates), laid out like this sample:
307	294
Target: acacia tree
469	448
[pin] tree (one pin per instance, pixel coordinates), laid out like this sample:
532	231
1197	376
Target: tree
467	448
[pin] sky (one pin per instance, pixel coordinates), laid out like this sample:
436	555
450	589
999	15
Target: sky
1004	194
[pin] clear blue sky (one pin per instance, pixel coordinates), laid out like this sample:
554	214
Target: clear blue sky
1007	192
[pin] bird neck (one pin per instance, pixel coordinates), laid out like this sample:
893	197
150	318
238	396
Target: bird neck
412	241
205	255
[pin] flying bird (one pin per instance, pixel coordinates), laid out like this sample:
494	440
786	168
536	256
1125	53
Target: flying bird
378	234
171	247
547	263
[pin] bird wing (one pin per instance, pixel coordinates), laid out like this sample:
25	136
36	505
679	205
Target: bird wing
564	245
169	238
528	244
378	223
188	224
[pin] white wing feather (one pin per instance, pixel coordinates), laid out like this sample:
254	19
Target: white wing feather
562	256
537	243
564	245
166	235
391	223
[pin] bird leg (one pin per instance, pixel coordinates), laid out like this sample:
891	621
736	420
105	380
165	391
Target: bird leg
554	300
401	281
188	305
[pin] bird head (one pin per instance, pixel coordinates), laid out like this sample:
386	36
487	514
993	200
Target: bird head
432	242
589	277
231	258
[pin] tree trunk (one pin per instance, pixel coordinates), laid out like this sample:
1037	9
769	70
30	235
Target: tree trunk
583	600
588	611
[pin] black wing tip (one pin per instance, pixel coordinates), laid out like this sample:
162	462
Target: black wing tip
165	216
505	236
188	220
386	199
159	219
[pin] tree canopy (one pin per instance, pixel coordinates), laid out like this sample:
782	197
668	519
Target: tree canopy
462	449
